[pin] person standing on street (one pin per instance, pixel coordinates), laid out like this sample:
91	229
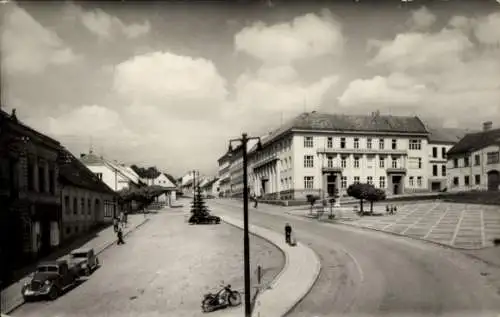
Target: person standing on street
256	199
119	234
288	233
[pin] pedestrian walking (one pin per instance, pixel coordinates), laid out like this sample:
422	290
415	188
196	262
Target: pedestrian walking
115	224
256	201
119	234
288	233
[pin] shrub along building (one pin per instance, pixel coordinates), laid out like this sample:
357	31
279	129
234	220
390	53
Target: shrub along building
474	162
29	193
86	200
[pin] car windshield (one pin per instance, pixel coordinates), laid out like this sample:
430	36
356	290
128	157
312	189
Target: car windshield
79	255
47	268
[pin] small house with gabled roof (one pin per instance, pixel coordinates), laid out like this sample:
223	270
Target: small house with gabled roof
474	162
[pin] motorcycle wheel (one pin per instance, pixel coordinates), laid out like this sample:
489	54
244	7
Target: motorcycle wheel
234	298
206	305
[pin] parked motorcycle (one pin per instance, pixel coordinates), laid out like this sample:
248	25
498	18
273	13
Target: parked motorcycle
225	297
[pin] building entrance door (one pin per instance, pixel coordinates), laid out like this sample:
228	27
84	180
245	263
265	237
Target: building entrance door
331	182
396	184
493	180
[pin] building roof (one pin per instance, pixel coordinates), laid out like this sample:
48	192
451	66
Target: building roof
17	126
348	123
75	173
476	141
210	183
447	135
92	159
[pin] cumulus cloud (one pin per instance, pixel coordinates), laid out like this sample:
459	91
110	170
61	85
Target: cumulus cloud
448	73
422	51
276	89
27	46
421	18
104	25
185	86
305	37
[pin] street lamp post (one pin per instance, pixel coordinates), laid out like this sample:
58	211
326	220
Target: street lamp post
246	240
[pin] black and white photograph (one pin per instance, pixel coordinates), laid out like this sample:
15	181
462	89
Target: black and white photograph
256	158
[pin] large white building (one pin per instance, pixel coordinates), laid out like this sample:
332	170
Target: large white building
318	153
224	175
474	162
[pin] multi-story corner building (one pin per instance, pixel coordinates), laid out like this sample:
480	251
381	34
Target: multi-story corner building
30	209
86	200
474	162
317	153
224	175
441	140
236	169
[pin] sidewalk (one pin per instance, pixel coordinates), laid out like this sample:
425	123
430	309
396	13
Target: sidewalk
11	297
302	268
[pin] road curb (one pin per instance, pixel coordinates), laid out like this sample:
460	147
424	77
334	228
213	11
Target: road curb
287	307
97	253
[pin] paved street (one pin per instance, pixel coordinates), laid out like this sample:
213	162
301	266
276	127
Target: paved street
369	273
467	226
164	269
11	296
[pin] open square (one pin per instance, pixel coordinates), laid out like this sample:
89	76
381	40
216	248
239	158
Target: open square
458	225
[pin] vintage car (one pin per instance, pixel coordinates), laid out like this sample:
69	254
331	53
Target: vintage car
85	259
50	279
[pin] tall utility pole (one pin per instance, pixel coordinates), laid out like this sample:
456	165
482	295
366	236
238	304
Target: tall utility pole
246	239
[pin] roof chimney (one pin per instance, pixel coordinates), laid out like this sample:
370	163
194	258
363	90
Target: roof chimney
487	125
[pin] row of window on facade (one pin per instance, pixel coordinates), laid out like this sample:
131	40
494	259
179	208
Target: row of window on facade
284	146
83	207
41	172
435	152
435	170
412	180
414	144
415	163
467	180
491	158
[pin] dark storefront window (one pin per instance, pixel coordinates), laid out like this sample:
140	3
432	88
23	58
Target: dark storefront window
31	174
41	179
52	181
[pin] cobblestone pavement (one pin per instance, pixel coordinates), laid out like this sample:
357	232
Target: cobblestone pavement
466	226
11	296
164	269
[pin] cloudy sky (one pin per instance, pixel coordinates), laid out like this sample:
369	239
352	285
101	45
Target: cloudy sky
169	84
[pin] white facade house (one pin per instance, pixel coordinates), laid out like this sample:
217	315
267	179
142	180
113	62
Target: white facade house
474	162
211	187
116	176
441	140
163	181
323	154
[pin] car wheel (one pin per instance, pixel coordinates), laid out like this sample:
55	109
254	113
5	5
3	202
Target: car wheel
53	293
87	271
